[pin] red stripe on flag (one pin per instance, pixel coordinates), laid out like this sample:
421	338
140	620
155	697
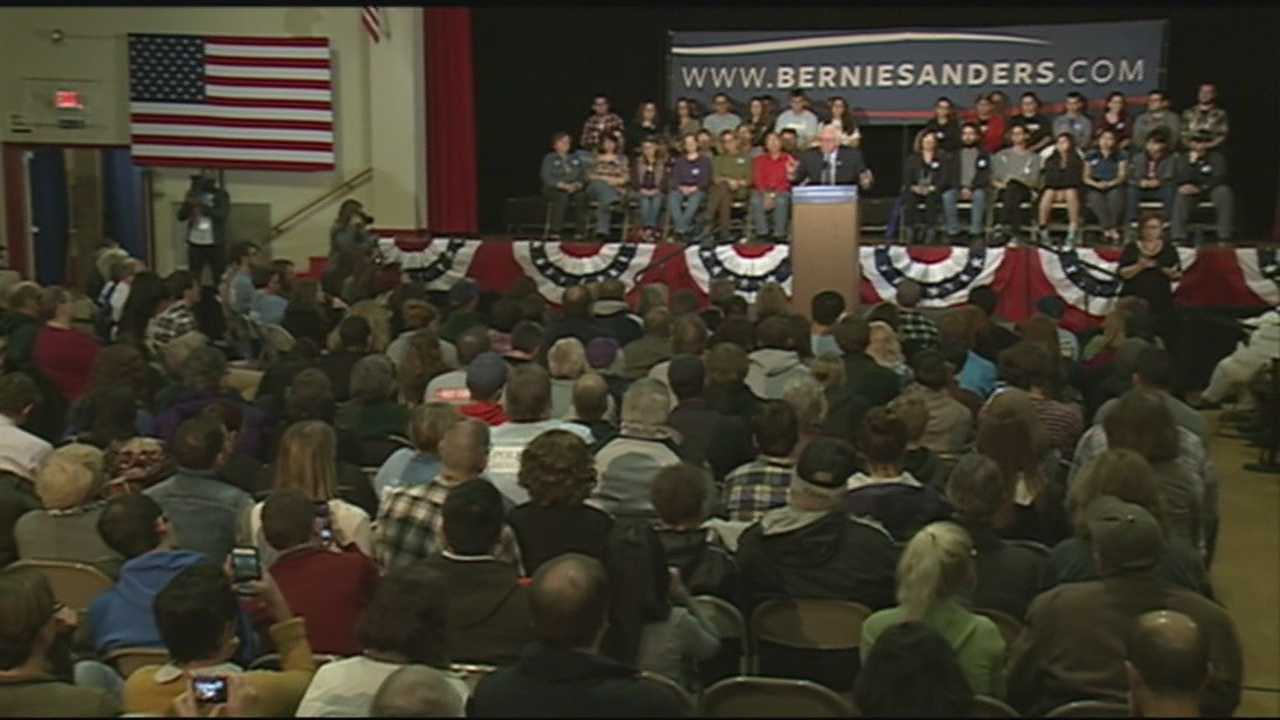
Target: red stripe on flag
231	122
263	103
231	164
266	41
299	145
267	82
266	62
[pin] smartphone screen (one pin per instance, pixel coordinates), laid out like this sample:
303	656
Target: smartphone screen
324	522
209	690
245	564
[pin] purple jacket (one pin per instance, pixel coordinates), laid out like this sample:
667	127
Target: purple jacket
188	405
696	172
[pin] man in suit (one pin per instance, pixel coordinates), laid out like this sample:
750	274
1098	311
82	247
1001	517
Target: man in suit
831	164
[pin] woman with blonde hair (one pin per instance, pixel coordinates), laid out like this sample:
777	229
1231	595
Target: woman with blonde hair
937	570
885	349
771	300
1010	433
566	362
307	460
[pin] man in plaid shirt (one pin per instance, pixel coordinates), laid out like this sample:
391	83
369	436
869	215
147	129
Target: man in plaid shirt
601	122
916	331
762	484
177	319
1205	117
411	519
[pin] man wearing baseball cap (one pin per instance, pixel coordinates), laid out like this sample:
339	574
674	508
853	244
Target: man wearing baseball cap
1074	645
486	376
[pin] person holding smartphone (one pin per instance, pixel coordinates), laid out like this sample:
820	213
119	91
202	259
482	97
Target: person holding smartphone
205	209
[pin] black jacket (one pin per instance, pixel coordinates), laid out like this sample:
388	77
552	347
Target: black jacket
845	410
17	498
1207	173
488	615
981	171
724	441
948	135
706	567
813	167
877	385
939	171
545	532
554	682
1009	575
734	399
618	324
902	509
585	329
836	557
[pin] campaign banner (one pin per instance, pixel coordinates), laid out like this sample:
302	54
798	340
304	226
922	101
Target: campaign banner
894	76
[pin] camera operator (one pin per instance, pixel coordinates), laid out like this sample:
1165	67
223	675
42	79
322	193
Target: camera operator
205	211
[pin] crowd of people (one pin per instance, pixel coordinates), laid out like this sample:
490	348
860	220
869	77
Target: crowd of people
999	160
430	479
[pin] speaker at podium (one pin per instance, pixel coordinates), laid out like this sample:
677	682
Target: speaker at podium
824	245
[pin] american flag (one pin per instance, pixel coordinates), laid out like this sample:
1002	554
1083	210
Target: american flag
255	103
371	17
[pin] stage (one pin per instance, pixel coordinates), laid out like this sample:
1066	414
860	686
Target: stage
1213	277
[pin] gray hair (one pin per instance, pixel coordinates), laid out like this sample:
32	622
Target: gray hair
808	398
567	358
417	691
647	403
373	378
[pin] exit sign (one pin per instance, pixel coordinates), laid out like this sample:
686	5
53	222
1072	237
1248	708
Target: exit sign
67	100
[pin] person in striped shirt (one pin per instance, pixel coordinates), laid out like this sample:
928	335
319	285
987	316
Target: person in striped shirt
761	485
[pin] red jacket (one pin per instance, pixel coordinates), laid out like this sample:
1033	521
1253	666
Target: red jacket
329	589
66	358
489	413
993	138
769	175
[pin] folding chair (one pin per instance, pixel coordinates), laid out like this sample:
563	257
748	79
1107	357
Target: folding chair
681	695
74	584
761	697
1090	709
471	673
823	636
1009	626
989	707
128	660
733	639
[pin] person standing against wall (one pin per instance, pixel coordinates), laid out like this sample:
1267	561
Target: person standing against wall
205	210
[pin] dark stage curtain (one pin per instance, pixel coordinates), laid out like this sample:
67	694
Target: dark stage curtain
452	194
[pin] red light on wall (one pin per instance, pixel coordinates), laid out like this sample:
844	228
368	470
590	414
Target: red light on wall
67	100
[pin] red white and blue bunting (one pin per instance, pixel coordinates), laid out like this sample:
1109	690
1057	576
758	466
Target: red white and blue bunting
944	282
1261	270
1078	278
439	265
748	272
553	269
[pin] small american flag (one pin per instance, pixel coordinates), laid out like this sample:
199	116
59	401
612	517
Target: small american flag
256	103
371	18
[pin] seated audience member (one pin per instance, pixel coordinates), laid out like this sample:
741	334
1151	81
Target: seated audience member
21	323
451	387
915	329
70	486
1054	308
935	572
885	492
1008	574
464	312
526	340
177	319
653	347
919	461
1038	128
771	190
844	408
35	653
559	472
504	316
417	691
1010	433
653	626
926	176
690	179
528	404
1201	173
808	398
418	465
612	313
688	337
326	586
1106	175
593	406
1233	372
421	363
1015	174
207	515
403	625
777	362
1205	117
1157	119
645	444
607	181
724	441
564	673
696	551
1151	177
305	461
878	385
1115	117
310	397
1074	122
566	362
825	310
649	180
1074	644
912	672
309	315
1167	661
488	618
990	336
950	424
355	338
373	412
563	182
763	484
269	296
970	169
731	172
1125	475
1028	366
723	118
990	123
135	527
726	365
604	356
486	377
203	383
1063	176
811	547
885	349
410	518
799	119
944	126
62	353
196	613
575	320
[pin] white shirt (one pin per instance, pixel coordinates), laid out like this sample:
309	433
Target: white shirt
508	440
350	524
345	688
200	231
21	453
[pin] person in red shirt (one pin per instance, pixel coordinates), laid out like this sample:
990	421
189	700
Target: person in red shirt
991	124
486	376
771	178
63	354
327	582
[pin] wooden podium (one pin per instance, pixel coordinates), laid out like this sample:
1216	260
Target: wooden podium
824	246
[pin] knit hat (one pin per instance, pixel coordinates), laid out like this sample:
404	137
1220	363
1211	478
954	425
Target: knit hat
1125	536
601	352
486	374
72	476
824	469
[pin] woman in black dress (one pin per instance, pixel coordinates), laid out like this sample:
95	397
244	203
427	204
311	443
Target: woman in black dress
1063	177
1149	266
